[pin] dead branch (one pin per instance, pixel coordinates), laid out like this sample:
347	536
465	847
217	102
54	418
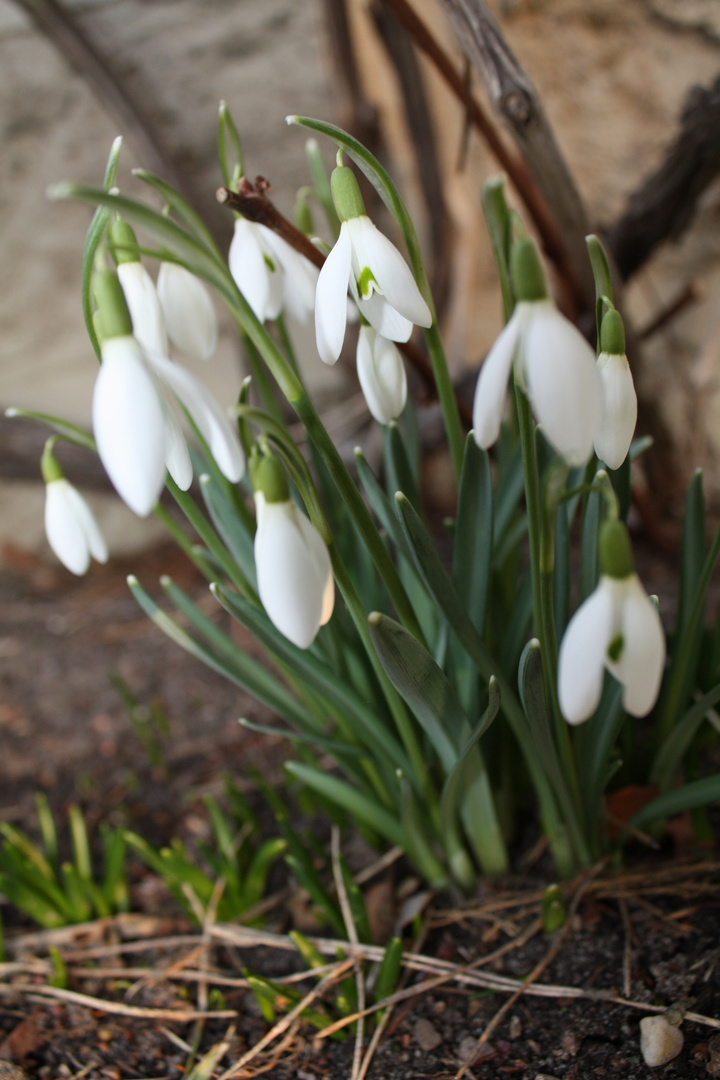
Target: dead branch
518	105
663	207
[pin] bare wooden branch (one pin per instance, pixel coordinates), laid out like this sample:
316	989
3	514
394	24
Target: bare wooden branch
516	169
252	202
663	207
403	57
518	105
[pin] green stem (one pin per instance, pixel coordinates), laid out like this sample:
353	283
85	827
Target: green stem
360	514
447	399
544	620
208	536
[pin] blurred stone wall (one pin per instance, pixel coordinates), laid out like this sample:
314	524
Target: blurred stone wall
613	75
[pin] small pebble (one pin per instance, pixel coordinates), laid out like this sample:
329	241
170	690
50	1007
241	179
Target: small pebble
660	1041
515	1027
426	1035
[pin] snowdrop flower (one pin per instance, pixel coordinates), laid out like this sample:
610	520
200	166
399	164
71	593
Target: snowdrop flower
619	414
137	433
367	262
72	531
294	573
553	364
617	628
270	273
189	313
382	375
148	321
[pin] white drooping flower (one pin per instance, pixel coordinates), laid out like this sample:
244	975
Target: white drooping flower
190	317
137	433
619	413
617	629
366	262
292	562
271	274
382	375
71	528
130	424
553	363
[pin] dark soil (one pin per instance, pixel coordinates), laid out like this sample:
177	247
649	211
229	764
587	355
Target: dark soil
64	730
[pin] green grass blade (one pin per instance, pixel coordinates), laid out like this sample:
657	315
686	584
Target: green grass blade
358	805
669	757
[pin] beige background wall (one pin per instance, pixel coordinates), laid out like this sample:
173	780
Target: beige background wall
613	75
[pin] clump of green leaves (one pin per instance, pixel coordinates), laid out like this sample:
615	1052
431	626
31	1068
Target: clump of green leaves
55	892
232	869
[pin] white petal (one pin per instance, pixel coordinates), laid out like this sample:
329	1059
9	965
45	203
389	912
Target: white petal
384	318
299	278
189	313
129	424
393	275
212	423
144	306
177	456
331	299
291	573
619	414
64	532
583	650
563	382
491	387
382	376
641	663
86	519
250	272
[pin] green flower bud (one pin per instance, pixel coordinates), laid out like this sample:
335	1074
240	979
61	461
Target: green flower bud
123	243
526	272
346	193
616	559
49	464
612	333
112	318
268	476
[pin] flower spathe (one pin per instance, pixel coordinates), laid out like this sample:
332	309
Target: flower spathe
294	573
379	279
189	314
617	628
382	375
71	528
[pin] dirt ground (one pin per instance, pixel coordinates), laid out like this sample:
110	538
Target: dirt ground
651	938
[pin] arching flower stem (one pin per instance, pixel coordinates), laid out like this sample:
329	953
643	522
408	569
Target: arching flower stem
544	621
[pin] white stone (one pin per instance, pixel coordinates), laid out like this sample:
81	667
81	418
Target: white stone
660	1041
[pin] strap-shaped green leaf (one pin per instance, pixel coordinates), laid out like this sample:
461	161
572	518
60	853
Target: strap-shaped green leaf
422	685
239	668
316	675
669	757
94	236
473	547
688	797
367	811
498	221
230	527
